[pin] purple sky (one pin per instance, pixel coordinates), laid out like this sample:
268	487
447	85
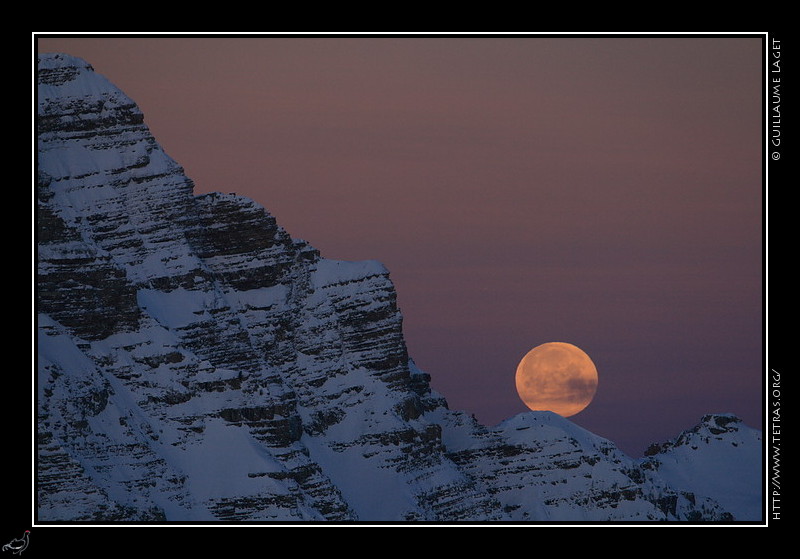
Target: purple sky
605	192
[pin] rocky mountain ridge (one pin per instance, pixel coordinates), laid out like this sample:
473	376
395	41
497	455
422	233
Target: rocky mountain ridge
196	363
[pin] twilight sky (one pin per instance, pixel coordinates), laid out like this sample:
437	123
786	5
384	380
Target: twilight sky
605	192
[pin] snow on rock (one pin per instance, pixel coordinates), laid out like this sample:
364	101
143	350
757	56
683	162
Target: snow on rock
195	362
720	458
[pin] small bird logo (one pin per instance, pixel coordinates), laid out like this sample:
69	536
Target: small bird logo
18	545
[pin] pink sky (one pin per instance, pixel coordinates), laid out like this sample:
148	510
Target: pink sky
605	192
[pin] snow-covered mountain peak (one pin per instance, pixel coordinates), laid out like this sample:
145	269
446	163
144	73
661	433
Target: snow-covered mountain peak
63	76
719	458
72	68
527	428
721	427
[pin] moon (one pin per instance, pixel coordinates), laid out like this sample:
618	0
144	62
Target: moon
557	377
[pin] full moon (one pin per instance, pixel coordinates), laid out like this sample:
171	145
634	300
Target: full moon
557	377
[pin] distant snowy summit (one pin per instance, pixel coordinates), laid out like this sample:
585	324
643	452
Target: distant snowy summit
197	363
720	457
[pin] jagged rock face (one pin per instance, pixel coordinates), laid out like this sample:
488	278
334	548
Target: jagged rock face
542	467
192	354
197	363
